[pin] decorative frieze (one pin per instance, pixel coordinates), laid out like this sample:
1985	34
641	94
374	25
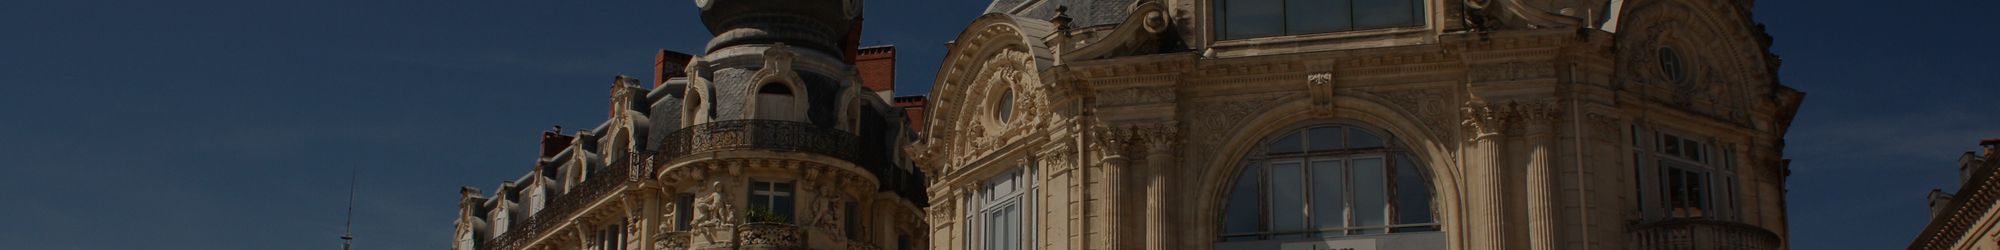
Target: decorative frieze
1135	96
1510	71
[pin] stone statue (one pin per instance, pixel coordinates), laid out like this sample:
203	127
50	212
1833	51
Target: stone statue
824	212
715	209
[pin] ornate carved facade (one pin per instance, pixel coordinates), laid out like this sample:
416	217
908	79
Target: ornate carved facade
768	141
1468	124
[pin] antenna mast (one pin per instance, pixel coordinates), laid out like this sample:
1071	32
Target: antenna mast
347	235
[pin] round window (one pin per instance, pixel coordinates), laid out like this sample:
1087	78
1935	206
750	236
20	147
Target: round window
1670	65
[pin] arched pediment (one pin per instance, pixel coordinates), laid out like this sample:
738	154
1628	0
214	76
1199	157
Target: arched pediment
997	55
1693	54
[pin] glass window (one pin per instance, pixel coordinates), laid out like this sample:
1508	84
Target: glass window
1288	205
1238	19
1252	18
1682	178
772	197
1371	191
1329	194
1313	190
1413	194
998	214
1358	139
1327	138
1312	16
683	211
1005	109
1241	218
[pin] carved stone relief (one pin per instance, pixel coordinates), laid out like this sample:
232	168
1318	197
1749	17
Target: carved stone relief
1430	106
1213	121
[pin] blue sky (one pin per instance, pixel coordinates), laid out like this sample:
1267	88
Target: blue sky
233	124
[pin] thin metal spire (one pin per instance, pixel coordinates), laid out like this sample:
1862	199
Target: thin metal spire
347	235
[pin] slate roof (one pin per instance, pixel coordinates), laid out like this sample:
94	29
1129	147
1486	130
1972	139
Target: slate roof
1082	13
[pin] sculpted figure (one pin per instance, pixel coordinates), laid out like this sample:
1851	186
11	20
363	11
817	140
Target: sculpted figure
824	214
714	210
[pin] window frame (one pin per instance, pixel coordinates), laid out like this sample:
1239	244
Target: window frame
1660	154
1387	150
1218	20
985	201
790	195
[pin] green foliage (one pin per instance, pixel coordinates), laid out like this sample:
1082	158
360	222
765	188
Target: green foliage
758	214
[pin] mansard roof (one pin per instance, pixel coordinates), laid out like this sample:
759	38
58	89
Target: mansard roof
1082	13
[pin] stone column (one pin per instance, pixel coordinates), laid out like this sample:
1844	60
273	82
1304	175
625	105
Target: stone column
1544	202
1159	164
1113	143
1485	222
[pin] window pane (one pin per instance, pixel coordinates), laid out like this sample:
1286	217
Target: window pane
1253	18
1289	144
1370	193
782	204
1692	149
1315	16
1327	138
1243	208
1670	145
1383	13
1287	199
1357	138
1241	213
1413	192
1329	194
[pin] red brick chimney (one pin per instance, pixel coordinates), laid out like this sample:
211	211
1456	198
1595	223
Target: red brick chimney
877	66
553	141
668	65
913	109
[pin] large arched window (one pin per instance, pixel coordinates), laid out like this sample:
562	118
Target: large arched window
1238	19
1327	181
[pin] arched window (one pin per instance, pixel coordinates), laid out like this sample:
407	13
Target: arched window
775	102
1327	181
1238	19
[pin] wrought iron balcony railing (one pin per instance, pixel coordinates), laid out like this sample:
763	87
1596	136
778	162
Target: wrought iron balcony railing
597	185
792	136
1702	234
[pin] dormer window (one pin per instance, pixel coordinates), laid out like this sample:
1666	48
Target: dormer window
775	102
1240	19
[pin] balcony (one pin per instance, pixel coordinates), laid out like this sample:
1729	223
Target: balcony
1702	234
774	135
595	187
792	136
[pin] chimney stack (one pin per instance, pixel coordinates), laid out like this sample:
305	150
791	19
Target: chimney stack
668	65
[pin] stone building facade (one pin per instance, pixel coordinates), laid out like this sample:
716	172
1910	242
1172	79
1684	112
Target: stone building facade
780	136
1965	220
1358	124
